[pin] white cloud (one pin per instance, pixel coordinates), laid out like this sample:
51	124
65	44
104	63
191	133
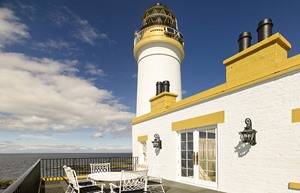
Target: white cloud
97	135
42	94
37	137
60	45
8	147
92	69
11	30
81	28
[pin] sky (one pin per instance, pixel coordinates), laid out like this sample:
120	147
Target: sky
68	76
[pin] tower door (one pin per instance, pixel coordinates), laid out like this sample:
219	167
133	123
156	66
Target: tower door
198	156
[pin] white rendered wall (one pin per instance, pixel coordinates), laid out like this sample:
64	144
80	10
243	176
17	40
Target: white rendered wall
156	62
269	165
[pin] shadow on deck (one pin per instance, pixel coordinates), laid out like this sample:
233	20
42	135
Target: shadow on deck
169	186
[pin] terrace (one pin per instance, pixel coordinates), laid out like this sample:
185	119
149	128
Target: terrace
47	175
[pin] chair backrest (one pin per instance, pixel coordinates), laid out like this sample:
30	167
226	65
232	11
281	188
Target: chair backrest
133	180
73	180
68	172
156	171
100	167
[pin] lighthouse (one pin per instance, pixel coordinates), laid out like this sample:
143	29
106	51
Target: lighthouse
158	51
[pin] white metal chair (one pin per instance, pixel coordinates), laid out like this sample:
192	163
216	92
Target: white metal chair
100	167
131	181
83	189
142	167
82	183
154	180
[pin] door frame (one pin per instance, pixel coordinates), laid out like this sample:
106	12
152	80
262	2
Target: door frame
196	179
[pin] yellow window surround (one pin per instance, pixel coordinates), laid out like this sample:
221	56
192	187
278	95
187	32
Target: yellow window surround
296	115
143	138
294	185
204	120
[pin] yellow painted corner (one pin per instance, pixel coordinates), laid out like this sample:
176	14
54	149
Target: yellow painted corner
204	120
142	138
294	185
296	115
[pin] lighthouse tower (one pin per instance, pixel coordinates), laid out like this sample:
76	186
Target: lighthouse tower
159	51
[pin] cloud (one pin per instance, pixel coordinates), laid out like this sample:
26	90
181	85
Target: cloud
81	29
37	137
11	30
43	94
60	45
96	135
8	147
92	69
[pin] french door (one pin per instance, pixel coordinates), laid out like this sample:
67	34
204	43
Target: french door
198	156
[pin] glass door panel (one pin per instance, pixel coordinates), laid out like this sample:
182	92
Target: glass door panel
187	149
207	155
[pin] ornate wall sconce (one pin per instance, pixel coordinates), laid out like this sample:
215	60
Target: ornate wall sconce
249	134
157	142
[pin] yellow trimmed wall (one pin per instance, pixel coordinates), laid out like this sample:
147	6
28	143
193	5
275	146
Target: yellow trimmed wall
204	120
142	138
294	185
296	115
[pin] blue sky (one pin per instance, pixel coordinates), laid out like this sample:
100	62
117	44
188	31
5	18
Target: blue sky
68	76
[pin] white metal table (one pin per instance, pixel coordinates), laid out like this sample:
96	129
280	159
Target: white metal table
108	177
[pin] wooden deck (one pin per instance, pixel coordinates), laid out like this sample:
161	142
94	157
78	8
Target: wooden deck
169	186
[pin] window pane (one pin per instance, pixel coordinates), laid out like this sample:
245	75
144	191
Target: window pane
183	163
183	146
190	136
183	172
202	134
203	165
190	154
183	154
183	136
191	172
211	165
190	164
211	176
190	146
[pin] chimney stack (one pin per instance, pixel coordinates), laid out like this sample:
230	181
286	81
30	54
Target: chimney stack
244	41
264	29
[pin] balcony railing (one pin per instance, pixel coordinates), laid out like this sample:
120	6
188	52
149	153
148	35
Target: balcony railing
158	30
53	168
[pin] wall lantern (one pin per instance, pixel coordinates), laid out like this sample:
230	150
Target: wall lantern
248	135
156	142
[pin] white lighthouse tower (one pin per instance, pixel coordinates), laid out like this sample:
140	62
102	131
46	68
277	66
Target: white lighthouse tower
159	51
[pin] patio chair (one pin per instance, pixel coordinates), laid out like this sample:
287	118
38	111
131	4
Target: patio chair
131	181
98	168
83	189
82	183
155	177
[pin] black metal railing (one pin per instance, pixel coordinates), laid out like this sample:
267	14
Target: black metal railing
27	182
54	167
47	168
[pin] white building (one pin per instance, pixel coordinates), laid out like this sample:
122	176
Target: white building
200	135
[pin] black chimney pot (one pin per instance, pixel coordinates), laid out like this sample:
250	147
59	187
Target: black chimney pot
244	41
264	29
166	86
159	87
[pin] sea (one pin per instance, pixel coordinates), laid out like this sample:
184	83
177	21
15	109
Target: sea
13	166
